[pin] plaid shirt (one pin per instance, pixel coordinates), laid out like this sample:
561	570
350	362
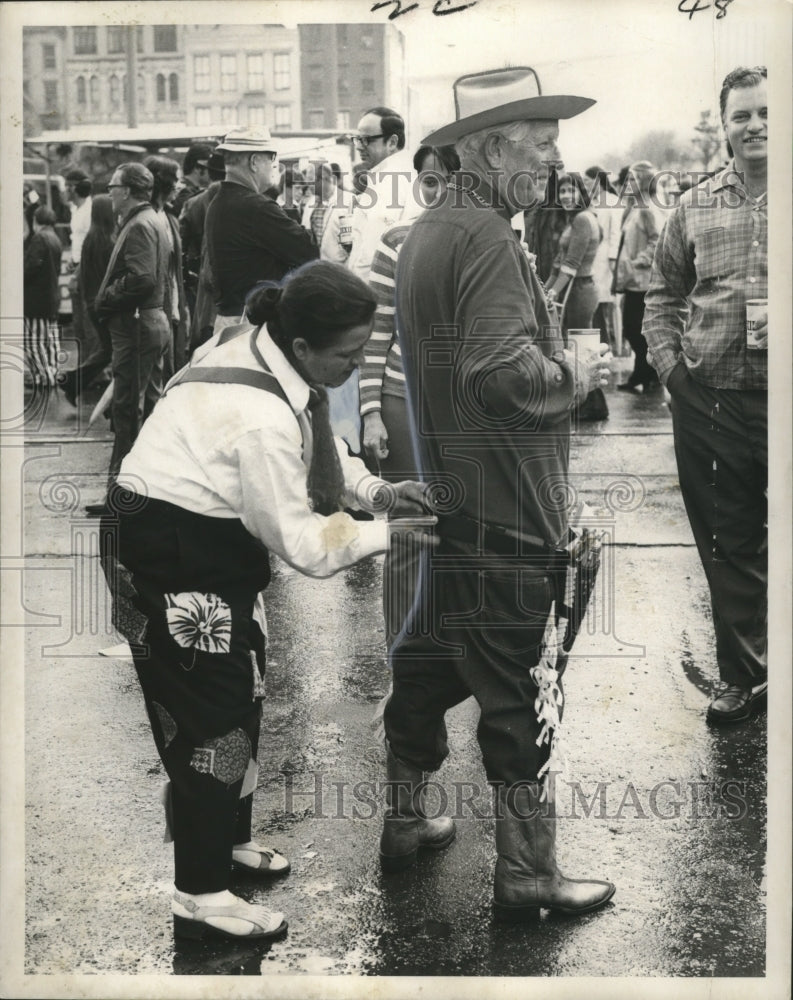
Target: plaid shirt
712	256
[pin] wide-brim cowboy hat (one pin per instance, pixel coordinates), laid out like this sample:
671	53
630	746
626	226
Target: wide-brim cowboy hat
498	96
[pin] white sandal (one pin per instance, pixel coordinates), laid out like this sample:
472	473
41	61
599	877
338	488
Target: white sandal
269	861
262	923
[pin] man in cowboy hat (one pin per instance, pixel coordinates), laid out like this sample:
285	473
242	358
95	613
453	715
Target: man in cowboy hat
249	238
491	389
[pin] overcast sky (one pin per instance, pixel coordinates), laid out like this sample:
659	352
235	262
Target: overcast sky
647	65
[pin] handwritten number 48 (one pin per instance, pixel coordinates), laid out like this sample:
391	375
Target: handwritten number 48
399	9
692	7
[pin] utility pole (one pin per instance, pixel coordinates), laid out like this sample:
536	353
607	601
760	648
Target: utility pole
132	76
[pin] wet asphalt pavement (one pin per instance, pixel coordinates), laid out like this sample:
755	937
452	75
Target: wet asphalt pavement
676	810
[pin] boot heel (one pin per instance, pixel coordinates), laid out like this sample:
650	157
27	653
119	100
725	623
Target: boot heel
398	862
515	914
186	928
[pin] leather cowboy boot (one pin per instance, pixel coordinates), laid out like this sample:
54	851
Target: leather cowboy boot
405	827
527	878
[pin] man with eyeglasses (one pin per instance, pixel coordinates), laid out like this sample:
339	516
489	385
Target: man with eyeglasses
490	388
130	301
249	238
380	142
387	195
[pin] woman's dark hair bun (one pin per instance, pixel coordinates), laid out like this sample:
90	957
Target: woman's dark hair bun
261	304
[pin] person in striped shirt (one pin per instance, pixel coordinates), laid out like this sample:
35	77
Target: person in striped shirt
386	433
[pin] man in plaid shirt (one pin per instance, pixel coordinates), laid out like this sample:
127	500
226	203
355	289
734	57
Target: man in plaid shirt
711	259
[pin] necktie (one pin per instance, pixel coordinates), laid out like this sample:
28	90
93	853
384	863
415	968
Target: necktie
325	478
317	218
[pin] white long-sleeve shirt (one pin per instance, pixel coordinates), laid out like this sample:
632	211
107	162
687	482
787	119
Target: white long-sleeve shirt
230	450
388	198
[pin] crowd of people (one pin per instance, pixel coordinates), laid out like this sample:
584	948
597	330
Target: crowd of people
302	362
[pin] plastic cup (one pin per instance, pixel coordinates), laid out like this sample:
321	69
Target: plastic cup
587	341
756	310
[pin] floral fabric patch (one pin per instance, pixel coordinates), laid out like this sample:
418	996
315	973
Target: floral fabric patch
258	680
224	757
199	621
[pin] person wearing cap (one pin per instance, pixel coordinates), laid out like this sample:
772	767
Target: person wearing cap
195	175
711	260
249	238
130	301
490	389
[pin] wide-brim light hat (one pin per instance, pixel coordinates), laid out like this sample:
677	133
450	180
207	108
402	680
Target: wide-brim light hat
248	140
499	96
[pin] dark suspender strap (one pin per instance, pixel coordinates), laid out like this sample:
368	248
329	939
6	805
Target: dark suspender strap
261	378
237	376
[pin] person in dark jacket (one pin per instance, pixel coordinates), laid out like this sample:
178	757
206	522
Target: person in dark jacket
41	266
96	252
249	238
131	300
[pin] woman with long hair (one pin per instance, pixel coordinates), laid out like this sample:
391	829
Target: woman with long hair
237	460
571	281
41	267
95	256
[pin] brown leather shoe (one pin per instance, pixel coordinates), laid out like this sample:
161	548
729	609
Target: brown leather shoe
735	704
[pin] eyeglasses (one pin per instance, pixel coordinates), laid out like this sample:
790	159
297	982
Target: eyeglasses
364	140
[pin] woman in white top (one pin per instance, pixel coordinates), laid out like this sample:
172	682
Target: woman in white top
237	460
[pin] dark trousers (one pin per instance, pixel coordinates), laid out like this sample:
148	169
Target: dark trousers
96	362
721	445
476	629
206	815
632	317
139	351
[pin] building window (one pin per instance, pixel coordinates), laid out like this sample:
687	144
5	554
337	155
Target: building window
93	91
316	119
50	96
173	88
115	40
341	34
160	88
165	38
48	57
283	116
255	65
228	114
344	79
283	71
85	41
141	91
139	38
367	40
315	81
228	73
201	74
367	78
115	93
203	116
343	119
256	116
82	93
